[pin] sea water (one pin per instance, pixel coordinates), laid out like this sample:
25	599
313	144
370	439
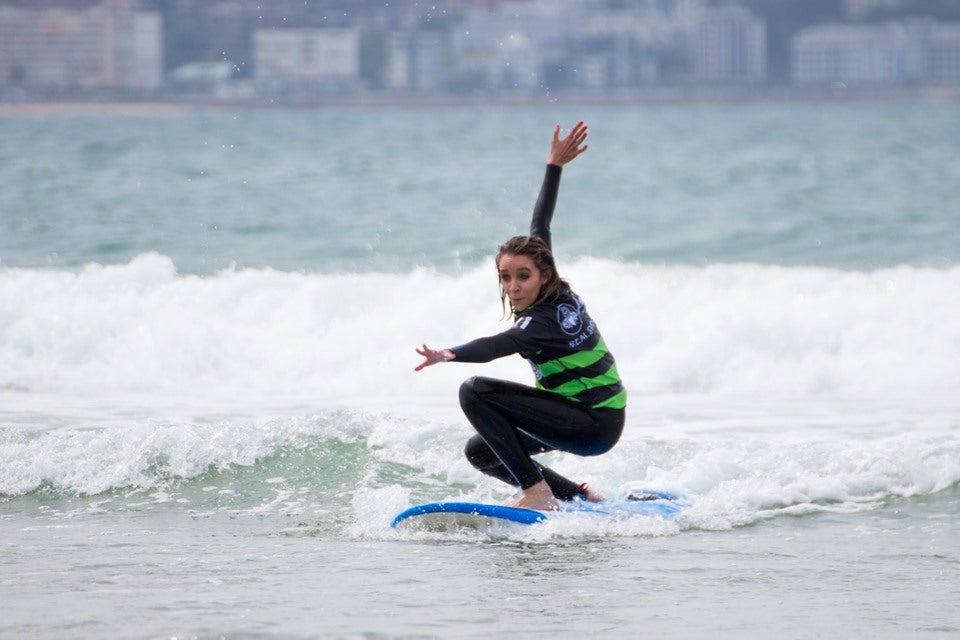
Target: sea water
209	415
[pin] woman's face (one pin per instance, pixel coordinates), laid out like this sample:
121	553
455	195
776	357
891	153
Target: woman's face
520	279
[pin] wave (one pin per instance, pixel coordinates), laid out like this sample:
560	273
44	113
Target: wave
360	468
166	456
259	335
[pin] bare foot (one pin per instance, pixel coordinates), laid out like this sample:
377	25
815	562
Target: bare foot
538	497
589	494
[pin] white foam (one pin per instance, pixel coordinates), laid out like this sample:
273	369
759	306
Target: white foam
256	334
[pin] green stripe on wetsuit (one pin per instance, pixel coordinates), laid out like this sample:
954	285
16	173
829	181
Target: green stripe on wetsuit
585	376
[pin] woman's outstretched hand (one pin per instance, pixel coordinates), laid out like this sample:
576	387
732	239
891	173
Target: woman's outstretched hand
563	150
430	356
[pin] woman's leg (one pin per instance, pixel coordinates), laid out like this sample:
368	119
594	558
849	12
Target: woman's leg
514	421
485	460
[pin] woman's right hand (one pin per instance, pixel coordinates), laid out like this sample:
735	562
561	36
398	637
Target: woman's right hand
431	356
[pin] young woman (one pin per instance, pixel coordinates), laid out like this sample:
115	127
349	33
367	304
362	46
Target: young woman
579	401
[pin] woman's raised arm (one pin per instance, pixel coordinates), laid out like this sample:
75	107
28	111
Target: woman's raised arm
562	151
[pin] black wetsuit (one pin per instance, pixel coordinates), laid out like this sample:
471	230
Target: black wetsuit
578	403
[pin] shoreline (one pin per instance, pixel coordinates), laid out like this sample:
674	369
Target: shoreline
180	105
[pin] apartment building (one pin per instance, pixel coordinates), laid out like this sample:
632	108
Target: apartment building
417	60
64	50
306	59
730	45
889	54
943	54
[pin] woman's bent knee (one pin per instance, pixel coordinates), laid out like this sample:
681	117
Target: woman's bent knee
470	391
479	454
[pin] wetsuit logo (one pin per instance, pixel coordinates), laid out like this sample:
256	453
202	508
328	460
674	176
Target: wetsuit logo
568	316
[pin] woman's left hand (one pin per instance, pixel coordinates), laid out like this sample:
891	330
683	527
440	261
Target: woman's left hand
563	150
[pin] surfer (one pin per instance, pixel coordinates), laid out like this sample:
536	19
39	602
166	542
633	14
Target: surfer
578	404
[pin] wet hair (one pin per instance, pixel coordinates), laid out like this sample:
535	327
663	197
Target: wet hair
537	250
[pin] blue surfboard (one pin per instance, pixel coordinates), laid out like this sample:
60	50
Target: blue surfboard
443	515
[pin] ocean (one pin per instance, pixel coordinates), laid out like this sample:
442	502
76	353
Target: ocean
209	415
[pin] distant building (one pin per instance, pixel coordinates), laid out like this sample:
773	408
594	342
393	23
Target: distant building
200	75
890	54
943	53
730	45
417	60
64	50
307	59
856	55
863	8
506	46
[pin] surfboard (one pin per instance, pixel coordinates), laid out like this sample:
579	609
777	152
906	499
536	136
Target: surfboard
438	516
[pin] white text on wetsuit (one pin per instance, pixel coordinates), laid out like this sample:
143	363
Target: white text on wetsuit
584	336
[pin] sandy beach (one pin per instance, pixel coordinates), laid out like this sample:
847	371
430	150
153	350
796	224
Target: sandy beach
128	109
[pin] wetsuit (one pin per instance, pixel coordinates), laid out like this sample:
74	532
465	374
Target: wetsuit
578	403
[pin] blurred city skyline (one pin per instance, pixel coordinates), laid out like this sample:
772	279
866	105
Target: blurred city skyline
310	49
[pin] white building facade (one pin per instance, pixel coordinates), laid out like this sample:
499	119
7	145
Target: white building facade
305	59
730	45
890	54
